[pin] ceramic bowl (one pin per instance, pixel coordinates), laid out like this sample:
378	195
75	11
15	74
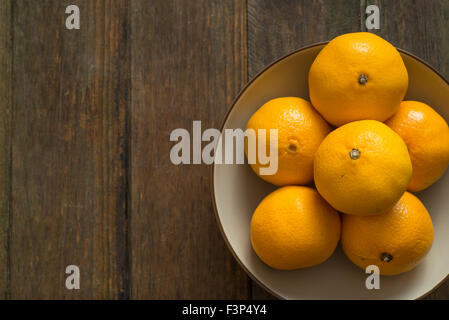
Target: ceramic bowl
236	192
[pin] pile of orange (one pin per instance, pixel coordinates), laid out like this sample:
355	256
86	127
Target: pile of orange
348	162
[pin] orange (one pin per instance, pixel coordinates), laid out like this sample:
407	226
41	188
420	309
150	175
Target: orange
300	131
362	168
293	227
357	76
426	134
395	241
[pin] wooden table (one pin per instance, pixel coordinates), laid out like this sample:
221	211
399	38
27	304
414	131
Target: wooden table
85	174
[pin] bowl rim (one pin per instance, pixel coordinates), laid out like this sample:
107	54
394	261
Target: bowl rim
228	112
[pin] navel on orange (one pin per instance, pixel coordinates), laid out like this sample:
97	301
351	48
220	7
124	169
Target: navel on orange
395	241
362	168
293	227
426	134
300	131
357	76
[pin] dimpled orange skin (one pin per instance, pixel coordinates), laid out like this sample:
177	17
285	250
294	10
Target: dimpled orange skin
293	227
370	184
300	131
404	234
426	134
334	87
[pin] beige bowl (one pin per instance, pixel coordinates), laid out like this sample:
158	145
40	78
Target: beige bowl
237	191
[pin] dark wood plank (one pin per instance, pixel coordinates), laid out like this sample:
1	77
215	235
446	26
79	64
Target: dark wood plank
5	139
276	28
422	28
441	293
69	153
188	63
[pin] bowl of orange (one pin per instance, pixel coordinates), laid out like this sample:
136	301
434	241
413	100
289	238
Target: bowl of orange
338	212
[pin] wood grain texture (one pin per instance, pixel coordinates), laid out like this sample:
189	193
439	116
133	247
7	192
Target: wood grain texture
5	140
276	28
69	150
188	62
422	28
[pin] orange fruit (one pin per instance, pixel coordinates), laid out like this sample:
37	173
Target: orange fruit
357	76
300	131
395	241
426	134
293	227
362	168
